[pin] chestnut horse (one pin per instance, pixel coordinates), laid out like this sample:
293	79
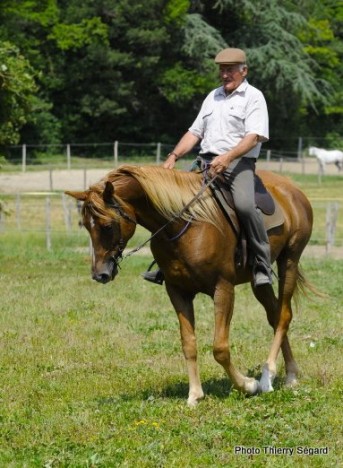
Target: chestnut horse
201	258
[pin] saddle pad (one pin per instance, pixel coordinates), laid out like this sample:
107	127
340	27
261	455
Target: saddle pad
270	220
263	198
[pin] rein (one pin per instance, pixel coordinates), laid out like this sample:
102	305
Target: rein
120	257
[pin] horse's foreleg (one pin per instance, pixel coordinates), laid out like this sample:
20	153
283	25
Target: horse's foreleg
322	168
223	303
183	305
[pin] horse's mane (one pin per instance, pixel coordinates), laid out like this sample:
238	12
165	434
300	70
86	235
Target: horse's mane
170	191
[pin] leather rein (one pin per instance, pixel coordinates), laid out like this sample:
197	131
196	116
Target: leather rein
119	257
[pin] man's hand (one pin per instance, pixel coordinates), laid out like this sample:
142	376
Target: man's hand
220	163
169	163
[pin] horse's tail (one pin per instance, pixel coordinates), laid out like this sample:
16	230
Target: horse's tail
303	287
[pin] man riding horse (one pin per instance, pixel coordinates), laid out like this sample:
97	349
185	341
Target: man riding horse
231	126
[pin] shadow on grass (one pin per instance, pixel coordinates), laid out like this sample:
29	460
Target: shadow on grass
219	388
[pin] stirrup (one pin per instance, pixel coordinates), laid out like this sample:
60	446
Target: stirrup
261	279
156	276
262	275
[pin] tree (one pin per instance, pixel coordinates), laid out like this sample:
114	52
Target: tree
17	88
323	42
138	71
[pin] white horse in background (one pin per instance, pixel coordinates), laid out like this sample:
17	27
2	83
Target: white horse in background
327	157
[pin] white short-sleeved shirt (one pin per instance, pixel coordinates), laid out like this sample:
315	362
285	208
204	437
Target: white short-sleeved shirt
224	120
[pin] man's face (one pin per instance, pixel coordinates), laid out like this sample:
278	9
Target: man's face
232	76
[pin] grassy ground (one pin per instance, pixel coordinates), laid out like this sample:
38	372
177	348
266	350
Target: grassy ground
93	375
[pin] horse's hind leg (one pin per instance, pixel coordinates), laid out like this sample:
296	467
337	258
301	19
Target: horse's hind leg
183	305
288	276
269	301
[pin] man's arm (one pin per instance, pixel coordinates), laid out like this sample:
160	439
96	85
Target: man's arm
221	162
184	146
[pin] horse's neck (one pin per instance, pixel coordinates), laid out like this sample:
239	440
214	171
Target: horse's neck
132	193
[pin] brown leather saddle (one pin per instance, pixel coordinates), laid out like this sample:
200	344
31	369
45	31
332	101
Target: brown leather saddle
270	209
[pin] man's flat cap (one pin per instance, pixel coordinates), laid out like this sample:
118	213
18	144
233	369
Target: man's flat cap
231	55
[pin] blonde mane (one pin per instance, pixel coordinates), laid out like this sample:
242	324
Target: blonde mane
94	206
170	191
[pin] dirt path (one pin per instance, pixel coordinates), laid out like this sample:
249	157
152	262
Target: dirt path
78	179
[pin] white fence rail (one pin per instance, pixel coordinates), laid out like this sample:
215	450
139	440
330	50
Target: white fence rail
55	215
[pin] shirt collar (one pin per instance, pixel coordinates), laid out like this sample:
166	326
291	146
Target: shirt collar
240	90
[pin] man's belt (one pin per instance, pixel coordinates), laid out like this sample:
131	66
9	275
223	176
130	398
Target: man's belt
207	156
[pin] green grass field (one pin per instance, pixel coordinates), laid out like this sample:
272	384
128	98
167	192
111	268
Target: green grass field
93	375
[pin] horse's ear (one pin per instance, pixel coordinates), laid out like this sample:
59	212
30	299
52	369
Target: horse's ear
108	192
81	196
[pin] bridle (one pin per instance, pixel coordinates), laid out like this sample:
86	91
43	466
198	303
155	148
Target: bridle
119	257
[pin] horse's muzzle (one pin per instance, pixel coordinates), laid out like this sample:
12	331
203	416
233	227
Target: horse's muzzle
106	275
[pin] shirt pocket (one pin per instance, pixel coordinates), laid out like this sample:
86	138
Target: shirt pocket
235	119
208	117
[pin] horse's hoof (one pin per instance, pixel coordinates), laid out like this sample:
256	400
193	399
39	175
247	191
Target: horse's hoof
265	387
291	381
250	386
265	383
193	400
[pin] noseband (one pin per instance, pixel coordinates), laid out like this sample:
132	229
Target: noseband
118	257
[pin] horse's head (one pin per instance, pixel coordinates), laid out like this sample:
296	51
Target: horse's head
110	223
312	151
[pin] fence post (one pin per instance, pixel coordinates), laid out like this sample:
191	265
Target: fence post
85	178
68	157
158	153
331	221
18	211
115	153
300	148
23	153
50	180
48	223
2	221
66	212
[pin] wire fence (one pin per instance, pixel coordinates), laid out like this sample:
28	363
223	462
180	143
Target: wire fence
67	156
34	205
53	215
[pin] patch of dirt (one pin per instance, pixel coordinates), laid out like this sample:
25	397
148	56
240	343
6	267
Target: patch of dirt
79	179
320	251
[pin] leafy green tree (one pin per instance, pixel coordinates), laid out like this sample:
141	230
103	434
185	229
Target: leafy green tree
138	71
27	23
17	87
323	42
